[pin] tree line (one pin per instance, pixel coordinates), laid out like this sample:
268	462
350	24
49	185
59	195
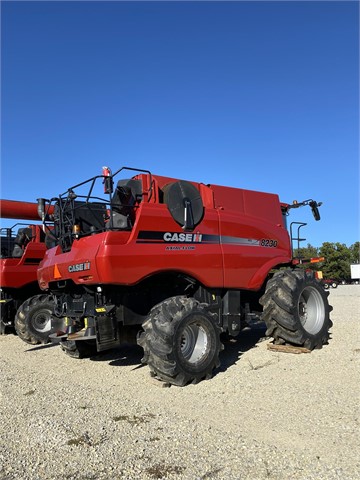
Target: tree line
338	258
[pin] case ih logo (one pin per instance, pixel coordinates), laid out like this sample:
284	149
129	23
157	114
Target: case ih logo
170	237
79	267
203	238
182	237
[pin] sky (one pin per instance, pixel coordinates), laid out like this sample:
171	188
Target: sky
256	95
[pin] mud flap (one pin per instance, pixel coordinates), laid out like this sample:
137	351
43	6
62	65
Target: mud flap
107	333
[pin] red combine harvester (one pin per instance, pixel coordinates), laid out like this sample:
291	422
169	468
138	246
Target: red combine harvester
173	264
22	249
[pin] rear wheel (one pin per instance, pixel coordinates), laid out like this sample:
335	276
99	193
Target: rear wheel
334	285
296	309
33	320
181	341
79	349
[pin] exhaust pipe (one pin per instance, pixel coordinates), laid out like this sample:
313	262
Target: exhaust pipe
44	209
41	208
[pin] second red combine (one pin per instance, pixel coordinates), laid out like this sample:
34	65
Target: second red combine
173	264
24	307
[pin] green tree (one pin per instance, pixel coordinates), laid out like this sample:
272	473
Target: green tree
355	253
337	260
306	252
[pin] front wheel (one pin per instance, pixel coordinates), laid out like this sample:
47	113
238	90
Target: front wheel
181	341
296	309
33	320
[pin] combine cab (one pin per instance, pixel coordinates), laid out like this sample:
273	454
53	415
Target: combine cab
172	264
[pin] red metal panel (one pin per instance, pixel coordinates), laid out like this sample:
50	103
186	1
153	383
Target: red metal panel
114	262
247	259
139	259
254	239
18	272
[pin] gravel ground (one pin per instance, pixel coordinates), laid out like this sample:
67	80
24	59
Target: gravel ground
264	415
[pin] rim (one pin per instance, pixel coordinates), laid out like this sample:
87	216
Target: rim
311	310
194	343
41	321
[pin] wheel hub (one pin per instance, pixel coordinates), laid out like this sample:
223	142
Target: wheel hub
42	322
194	343
311	310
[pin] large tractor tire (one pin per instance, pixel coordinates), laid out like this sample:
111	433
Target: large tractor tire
33	320
181	341
296	309
79	349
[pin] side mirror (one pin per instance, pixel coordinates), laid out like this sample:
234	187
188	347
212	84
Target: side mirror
315	211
